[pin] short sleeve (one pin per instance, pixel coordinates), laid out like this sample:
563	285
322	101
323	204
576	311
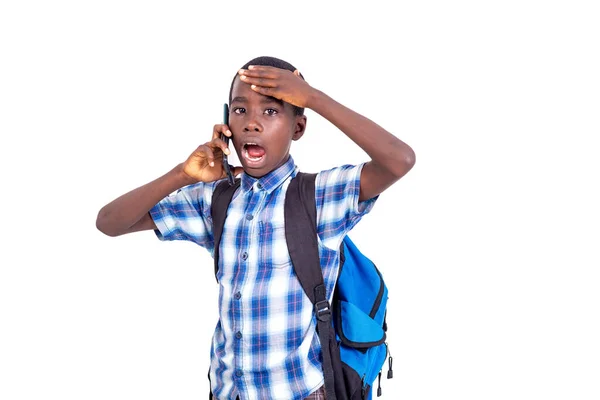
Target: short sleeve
185	215
338	208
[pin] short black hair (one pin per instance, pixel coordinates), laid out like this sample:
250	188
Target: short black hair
269	62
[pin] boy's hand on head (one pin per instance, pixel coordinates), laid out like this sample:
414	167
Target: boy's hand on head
279	83
205	163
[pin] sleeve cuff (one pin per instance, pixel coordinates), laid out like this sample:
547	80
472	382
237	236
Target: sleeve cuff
162	231
362	207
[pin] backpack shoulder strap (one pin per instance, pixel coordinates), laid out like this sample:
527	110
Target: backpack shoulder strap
219	204
301	236
301	232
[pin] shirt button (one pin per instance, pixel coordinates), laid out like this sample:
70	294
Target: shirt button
244	256
239	372
249	217
259	185
238	335
238	295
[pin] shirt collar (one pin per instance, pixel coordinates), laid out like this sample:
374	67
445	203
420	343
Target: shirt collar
270	181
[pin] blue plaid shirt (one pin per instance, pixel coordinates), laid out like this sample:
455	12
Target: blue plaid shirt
265	345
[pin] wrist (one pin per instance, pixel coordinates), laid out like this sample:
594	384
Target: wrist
315	99
182	177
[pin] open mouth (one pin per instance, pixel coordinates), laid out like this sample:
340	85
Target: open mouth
253	152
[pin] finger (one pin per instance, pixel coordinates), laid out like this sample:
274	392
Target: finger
264	82
268	72
218	143
265	68
263	90
208	153
221	129
259	73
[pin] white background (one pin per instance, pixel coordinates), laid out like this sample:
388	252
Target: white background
490	245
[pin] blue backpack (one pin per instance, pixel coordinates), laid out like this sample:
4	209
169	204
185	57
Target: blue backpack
352	331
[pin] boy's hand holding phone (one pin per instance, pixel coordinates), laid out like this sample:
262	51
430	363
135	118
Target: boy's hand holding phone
205	163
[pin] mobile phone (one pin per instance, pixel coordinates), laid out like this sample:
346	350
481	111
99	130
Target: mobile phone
226	165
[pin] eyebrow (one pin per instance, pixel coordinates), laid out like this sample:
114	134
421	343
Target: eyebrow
264	100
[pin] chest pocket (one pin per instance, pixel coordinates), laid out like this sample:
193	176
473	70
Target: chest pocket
273	246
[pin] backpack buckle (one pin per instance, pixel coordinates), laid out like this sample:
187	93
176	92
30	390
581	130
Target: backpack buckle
323	311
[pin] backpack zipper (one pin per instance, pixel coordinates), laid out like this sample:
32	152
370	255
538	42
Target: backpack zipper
377	302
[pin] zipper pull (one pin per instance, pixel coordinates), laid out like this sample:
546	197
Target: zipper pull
390	374
379	385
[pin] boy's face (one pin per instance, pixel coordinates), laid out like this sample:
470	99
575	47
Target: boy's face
263	129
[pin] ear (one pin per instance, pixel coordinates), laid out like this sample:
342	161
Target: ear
299	127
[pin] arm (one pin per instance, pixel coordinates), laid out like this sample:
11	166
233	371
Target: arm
130	212
390	157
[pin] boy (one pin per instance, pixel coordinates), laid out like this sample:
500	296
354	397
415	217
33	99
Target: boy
265	345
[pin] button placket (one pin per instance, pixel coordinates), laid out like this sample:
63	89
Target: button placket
250	219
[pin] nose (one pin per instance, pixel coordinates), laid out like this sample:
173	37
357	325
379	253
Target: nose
253	125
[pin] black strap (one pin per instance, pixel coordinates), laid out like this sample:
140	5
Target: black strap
219	204
301	237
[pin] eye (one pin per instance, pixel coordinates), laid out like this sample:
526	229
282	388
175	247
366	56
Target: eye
239	110
271	111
